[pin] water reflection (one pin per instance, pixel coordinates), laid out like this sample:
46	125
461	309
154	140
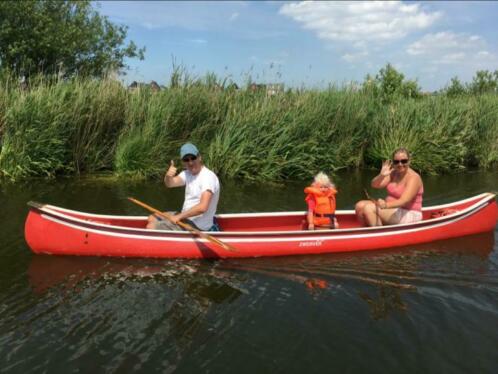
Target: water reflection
388	300
207	282
129	305
393	266
67	272
391	273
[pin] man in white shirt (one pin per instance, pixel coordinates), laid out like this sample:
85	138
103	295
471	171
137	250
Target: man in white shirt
202	192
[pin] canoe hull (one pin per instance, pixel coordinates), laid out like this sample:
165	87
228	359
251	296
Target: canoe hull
54	231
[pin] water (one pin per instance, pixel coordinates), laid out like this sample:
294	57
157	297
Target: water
431	308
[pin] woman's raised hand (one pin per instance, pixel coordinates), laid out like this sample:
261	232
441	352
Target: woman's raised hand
387	168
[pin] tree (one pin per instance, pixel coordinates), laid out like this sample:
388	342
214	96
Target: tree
64	37
456	88
410	88
389	83
389	80
484	82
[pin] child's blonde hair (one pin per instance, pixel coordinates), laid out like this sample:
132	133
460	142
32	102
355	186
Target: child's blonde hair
322	179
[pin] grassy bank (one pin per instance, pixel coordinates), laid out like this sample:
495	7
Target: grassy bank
93	125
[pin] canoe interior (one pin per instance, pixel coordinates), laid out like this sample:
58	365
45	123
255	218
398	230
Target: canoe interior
261	222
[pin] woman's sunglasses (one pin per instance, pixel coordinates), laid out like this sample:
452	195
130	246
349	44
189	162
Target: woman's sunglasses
403	161
188	159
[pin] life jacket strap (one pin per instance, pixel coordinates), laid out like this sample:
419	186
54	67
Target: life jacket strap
331	216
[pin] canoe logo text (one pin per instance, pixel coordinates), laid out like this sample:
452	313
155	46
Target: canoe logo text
315	243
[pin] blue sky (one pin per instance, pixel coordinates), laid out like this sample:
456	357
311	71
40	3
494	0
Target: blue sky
310	43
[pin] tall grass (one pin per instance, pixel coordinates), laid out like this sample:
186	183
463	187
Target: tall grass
289	136
157	123
36	137
484	144
97	118
60	127
89	125
436	131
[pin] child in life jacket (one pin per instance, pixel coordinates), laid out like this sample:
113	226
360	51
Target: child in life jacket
320	197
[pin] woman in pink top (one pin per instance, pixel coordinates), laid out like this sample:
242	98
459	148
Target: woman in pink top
404	194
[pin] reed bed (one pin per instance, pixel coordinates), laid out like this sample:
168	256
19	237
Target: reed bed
92	125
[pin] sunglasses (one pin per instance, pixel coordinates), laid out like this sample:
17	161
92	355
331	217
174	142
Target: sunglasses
188	159
403	161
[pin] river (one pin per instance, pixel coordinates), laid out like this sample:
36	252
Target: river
430	308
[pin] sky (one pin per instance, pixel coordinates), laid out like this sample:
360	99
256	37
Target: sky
312	43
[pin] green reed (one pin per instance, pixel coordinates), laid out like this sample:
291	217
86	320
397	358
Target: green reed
86	125
58	128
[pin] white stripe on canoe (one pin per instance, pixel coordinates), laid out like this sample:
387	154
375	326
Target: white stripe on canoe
307	238
485	197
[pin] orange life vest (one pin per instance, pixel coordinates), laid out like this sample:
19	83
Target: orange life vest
325	205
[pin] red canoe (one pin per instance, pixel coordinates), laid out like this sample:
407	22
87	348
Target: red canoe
53	230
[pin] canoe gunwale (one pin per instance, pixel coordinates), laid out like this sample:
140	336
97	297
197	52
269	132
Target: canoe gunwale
56	214
269	237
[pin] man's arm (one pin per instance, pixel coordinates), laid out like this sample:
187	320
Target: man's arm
197	209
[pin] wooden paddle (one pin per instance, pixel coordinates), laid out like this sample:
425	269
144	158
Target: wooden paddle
376	206
186	226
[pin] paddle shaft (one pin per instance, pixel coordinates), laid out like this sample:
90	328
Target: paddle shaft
376	206
184	225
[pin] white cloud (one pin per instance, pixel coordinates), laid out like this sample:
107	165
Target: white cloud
234	16
442	55
362	21
450	48
445	41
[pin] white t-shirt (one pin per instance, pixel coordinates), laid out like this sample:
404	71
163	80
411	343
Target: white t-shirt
195	185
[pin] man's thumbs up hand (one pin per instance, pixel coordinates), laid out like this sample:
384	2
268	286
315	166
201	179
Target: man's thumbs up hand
172	169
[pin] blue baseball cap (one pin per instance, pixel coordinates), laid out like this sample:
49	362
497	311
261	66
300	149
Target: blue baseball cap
188	149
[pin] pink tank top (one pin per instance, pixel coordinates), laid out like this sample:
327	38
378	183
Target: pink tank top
394	192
